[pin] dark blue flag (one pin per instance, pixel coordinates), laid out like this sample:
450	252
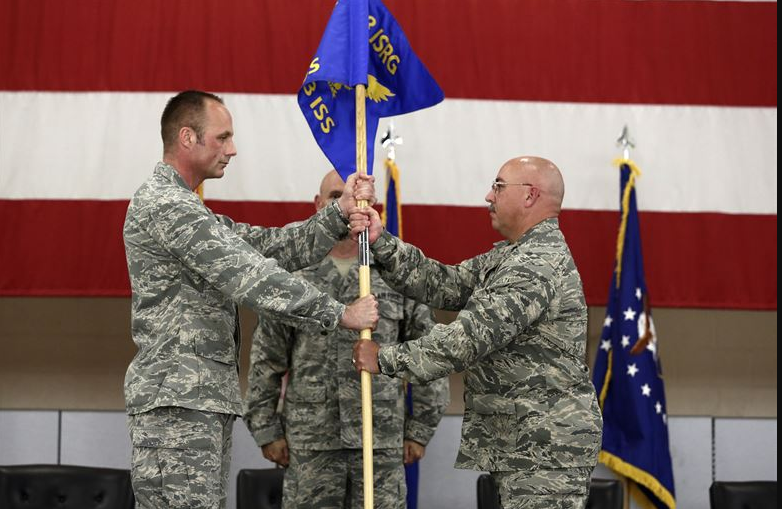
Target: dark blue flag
392	220
392	211
362	44
627	374
411	470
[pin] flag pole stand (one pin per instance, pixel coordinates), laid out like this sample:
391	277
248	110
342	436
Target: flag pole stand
625	492
364	289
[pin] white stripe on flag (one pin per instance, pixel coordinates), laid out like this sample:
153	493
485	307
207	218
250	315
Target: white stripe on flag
695	158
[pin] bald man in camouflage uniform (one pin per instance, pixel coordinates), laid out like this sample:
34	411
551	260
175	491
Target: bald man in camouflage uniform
531	416
188	268
318	436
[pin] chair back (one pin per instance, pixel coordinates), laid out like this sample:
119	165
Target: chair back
259	488
64	487
605	494
743	495
488	495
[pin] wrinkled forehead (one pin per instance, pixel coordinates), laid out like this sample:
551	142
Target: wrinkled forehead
514	170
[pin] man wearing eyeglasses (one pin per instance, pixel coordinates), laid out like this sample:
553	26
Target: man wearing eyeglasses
531	415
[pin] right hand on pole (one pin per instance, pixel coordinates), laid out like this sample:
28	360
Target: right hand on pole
277	452
361	314
357	187
362	218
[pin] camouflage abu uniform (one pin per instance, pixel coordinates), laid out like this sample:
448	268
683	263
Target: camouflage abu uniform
187	269
321	418
531	416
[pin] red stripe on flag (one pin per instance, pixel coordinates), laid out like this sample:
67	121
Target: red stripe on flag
654	52
63	248
699	260
75	248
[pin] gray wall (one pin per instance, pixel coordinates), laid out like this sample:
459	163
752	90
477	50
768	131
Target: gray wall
744	449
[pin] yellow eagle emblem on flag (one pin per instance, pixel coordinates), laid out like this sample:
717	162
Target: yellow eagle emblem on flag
376	91
336	87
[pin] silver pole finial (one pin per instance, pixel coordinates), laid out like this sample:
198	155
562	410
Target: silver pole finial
625	142
389	141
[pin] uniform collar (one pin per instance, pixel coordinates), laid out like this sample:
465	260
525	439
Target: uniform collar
170	174
543	227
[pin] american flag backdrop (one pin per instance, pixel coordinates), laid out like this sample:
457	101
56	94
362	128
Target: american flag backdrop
83	83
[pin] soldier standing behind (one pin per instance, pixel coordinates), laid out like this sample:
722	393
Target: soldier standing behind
531	416
318	437
188	268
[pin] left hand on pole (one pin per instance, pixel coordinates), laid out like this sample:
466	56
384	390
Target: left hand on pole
365	356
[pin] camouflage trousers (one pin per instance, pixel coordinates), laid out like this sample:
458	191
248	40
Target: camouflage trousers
334	480
181	458
543	489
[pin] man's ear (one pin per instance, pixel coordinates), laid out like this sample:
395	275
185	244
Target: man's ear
187	137
532	197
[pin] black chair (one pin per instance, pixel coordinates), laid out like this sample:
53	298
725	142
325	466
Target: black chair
64	487
603	494
259	488
488	496
743	495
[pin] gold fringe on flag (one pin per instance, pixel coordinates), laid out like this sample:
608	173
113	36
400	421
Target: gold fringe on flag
620	240
636	475
392	173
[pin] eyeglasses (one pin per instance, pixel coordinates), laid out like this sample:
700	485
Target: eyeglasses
496	185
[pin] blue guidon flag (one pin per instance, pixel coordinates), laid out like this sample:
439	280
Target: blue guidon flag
627	374
362	44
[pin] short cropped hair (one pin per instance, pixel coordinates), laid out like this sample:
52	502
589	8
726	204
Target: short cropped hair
186	109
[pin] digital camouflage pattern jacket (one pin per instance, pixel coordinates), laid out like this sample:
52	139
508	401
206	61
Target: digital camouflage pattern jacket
520	338
188	270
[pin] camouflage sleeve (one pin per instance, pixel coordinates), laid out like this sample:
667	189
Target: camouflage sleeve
429	400
187	231
405	268
493	317
295	246
269	354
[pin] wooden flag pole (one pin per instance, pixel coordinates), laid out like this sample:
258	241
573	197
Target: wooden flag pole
364	289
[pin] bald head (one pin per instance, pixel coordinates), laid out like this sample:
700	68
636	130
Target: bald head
527	190
331	188
545	176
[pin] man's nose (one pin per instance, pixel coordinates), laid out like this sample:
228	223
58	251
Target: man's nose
231	149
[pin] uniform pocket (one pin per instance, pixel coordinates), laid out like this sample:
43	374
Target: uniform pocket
182	464
533	437
170	438
391	312
510	425
306	393
493	423
576	430
390	305
307	414
385	388
388	412
212	336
